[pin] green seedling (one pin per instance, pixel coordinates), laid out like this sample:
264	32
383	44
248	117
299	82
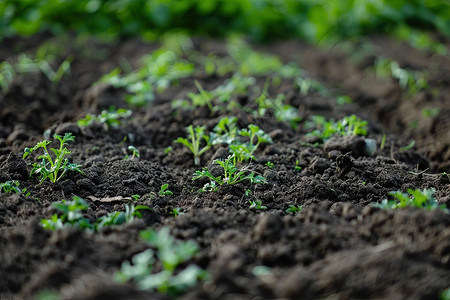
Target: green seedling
292	209
171	254
195	136
167	150
283	112
109	118
231	175
134	153
226	131
135	197
72	216
244	151
203	99
297	166
415	198
7	75
55	168
407	147
176	211
117	218
308	85
269	164
410	80
256	204
164	191
349	125
12	186
26	64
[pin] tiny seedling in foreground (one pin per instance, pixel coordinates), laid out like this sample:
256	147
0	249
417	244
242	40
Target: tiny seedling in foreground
256	204
134	153
55	168
172	255
195	136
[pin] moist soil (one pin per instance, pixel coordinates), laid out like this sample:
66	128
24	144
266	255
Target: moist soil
337	247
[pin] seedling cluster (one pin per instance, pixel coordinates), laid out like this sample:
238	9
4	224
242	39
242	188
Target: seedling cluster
12	186
423	199
325	129
109	118
71	215
53	168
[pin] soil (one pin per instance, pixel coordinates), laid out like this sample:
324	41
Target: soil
338	247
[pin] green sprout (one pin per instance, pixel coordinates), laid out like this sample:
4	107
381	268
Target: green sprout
269	164
231	175
416	198
109	118
134	153
244	151
50	168
173	255
176	211
12	186
256	204
72	216
195	136
135	197
297	166
226	131
349	125
294	209
7	75
164	191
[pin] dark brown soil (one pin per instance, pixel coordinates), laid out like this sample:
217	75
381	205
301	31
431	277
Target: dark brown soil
337	247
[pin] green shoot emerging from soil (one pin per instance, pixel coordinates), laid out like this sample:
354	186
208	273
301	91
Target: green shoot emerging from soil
195	136
50	168
325	129
164	191
176	211
231	175
294	209
256	204
134	153
416	198
171	254
109	118
12	186
72	216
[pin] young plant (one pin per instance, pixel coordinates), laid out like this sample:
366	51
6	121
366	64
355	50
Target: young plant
294	209
195	136
269	164
171	254
176	211
55	168
231	175
325	129
297	166
117	218
72	215
12	186
164	191
244	151
416	198
226	131
134	151
109	118
256	204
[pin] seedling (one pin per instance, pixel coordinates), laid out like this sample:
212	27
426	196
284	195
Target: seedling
167	150
176	211
195	136
416	198
407	147
109	118
244	151
349	125
164	191
50	168
294	209
135	197
134	151
72	215
256	204
12	186
231	175
7	75
297	166
171	254
226	131
269	164
26	64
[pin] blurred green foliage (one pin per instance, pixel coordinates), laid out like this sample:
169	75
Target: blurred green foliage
313	20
